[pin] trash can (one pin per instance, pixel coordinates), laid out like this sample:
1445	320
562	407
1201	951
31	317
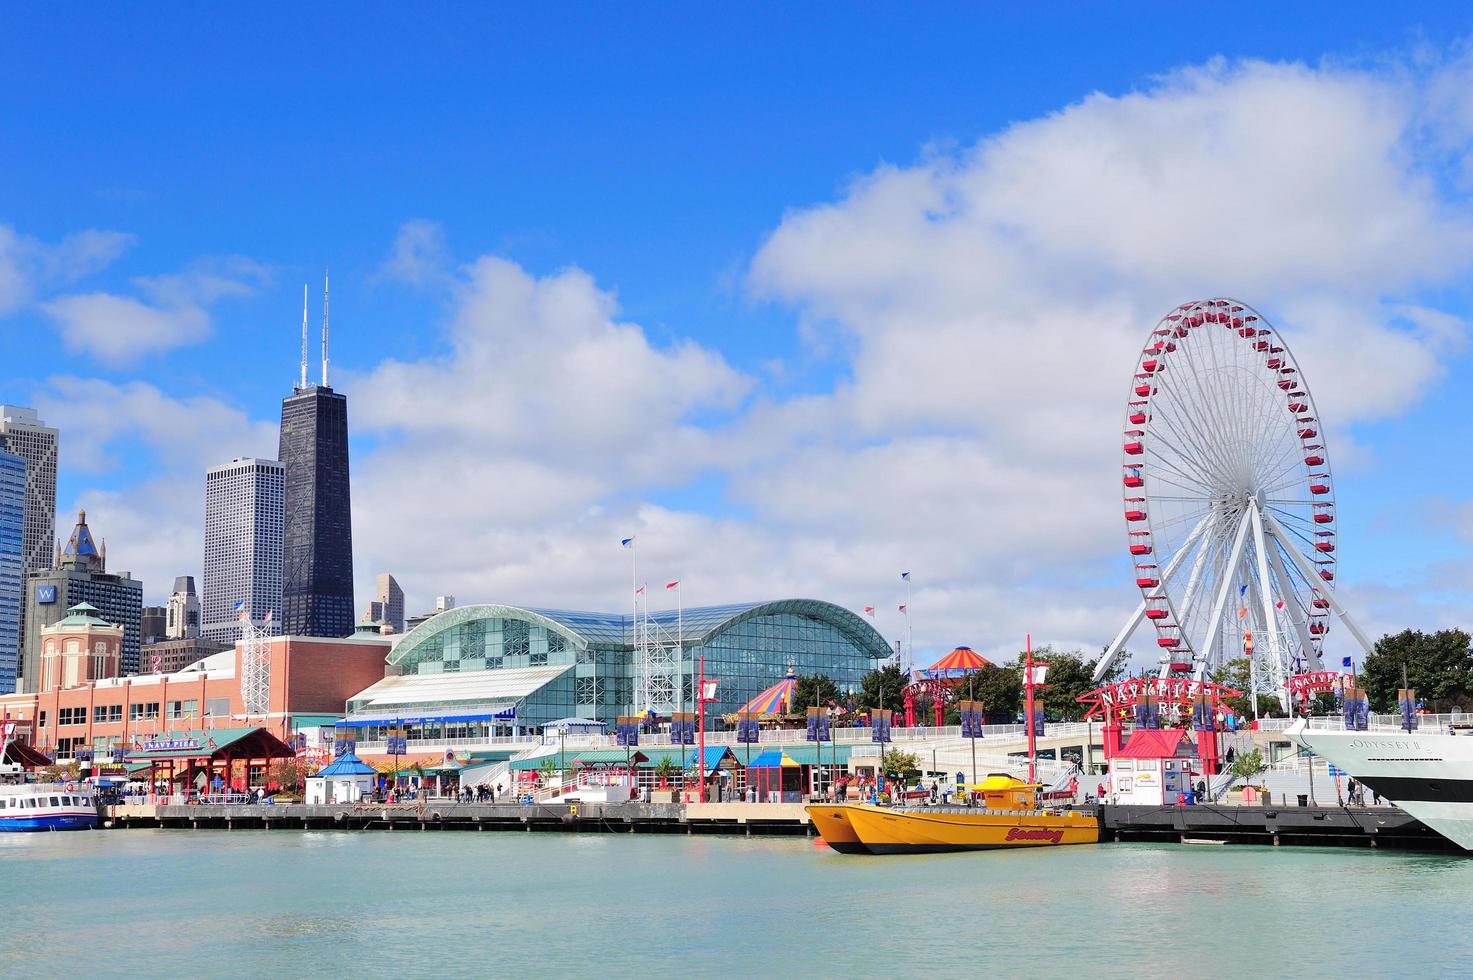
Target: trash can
1304	799
1191	797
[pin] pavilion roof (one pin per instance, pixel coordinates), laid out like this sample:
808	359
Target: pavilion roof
236	743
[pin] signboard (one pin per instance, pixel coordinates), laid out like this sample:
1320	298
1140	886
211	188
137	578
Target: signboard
170	744
45	595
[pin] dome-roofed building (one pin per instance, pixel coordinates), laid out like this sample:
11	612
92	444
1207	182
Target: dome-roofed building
484	668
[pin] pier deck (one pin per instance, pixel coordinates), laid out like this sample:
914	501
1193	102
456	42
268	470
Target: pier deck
614	818
1337	826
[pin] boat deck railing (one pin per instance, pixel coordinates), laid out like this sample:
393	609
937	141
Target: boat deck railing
1438	724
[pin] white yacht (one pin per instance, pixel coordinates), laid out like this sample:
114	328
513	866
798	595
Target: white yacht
1427	774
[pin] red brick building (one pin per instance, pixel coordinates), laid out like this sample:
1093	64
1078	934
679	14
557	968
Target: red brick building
308	676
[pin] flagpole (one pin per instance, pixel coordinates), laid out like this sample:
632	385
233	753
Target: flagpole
911	647
633	628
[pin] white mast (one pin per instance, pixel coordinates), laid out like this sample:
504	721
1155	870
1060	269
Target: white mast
324	328
302	385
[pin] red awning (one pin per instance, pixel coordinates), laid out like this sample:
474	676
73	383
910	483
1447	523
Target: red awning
1152	743
25	756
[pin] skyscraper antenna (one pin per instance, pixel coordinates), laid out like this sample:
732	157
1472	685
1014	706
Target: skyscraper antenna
303	385
324	327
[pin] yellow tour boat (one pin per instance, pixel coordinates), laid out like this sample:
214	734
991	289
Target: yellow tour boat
1009	817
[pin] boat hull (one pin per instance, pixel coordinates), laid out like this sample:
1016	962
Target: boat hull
50	821
1428	775
879	830
831	820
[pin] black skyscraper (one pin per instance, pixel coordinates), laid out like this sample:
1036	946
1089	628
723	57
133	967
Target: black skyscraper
317	553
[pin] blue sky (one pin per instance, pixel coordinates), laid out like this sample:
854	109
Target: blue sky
664	171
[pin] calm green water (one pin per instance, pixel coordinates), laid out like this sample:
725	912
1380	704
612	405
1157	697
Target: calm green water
272	903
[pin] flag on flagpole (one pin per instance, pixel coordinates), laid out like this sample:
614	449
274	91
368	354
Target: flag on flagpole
870	610
639	590
627	542
240	613
905	575
1242	611
1279	604
269	614
1345	663
902	607
1242	591
673	585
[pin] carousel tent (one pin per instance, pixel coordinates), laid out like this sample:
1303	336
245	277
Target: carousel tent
776	700
955	665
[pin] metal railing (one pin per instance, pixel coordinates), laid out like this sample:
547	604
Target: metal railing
771	736
1430	723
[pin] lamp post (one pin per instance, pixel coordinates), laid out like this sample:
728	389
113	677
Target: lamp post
705	692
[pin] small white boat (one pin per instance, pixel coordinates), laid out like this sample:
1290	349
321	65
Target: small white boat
47	806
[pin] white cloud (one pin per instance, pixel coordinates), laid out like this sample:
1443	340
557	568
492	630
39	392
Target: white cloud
28	265
419	255
991	301
985	307
119	330
181	435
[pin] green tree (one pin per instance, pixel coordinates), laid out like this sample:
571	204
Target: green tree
814	691
1236	674
888	683
1249	765
901	766
1438	665
666	769
1000	689
1069	678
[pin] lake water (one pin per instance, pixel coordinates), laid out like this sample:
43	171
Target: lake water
275	903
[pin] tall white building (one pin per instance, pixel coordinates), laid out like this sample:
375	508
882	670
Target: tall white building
245	517
22	434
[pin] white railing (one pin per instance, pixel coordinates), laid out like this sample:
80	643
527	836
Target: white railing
769	737
1433	724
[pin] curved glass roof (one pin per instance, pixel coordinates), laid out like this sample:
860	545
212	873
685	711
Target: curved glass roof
698	624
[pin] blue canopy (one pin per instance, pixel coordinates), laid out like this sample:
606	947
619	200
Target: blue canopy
347	764
772	759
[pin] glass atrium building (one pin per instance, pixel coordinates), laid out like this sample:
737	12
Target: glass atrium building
483	668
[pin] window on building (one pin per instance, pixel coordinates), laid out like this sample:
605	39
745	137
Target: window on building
99	714
183	709
217	708
41	720
143	711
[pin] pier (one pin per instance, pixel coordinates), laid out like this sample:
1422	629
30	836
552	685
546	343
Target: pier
1287	826
1324	826
746	819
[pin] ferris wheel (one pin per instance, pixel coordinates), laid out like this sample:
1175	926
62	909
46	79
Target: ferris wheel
1229	499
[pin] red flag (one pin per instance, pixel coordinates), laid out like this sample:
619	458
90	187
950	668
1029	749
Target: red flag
672	585
870	610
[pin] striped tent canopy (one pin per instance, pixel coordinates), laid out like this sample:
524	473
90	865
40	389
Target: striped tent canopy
776	700
955	665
